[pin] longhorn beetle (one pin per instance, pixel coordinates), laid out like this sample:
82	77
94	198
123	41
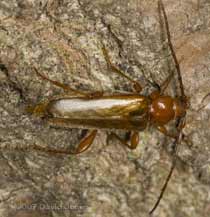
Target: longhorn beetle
133	111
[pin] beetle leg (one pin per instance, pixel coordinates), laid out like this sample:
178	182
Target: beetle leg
163	130
165	83
134	140
85	143
67	88
83	146
136	85
161	88
185	138
58	84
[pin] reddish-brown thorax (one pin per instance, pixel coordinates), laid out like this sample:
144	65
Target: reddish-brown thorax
165	108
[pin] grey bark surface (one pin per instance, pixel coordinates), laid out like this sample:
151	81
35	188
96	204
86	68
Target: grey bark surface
63	40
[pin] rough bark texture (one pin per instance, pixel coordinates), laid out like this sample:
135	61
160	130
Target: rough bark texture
63	40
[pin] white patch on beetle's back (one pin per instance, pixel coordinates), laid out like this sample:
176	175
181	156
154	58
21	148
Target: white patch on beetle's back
78	108
78	104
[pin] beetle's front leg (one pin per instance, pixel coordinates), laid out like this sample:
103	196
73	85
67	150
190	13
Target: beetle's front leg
163	130
136	85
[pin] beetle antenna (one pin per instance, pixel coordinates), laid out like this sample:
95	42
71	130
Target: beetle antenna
161	8
164	186
181	121
180	125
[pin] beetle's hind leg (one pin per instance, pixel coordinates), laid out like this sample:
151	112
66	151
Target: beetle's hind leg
59	84
136	85
84	144
68	88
